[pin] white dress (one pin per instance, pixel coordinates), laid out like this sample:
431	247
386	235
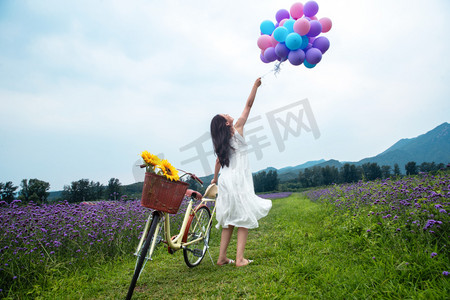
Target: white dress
236	203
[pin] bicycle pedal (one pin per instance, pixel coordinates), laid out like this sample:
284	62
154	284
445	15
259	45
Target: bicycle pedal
197	252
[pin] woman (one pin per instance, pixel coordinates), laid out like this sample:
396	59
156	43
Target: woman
237	205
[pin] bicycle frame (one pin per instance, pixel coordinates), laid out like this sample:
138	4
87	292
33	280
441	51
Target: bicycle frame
177	243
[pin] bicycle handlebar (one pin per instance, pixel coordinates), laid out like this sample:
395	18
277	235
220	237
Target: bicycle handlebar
191	174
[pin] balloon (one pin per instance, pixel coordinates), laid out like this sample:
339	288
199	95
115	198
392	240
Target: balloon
310	8
305	42
315	29
261	56
308	65
267	27
282	14
273	40
326	24
280	33
296	10
314	18
282	22
311	39
289	24
313	56
264	42
296	57
321	43
293	41
301	26
270	55
281	50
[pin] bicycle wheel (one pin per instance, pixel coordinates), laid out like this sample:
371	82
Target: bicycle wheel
144	250
155	242
198	229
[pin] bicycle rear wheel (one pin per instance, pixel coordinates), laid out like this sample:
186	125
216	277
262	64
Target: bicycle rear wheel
198	229
143	253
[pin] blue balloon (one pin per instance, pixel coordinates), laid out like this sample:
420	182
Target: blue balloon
267	27
308	65
289	24
280	34
293	41
305	42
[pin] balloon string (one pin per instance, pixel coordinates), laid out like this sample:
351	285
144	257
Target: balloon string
276	69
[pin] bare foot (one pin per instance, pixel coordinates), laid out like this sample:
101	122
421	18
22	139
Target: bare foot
243	262
226	261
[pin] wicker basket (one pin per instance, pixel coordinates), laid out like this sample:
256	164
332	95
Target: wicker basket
162	194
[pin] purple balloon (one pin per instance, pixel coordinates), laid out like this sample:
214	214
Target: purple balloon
309	46
281	50
310	8
296	57
270	55
263	59
282	14
315	28
321	43
313	56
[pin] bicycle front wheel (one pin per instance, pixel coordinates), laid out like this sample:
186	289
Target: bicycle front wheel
197	232
143	253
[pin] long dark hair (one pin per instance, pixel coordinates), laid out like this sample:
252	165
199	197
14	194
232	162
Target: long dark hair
221	136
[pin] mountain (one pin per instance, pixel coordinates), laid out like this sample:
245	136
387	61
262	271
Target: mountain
433	146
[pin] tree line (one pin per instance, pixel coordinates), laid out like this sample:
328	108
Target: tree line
36	190
349	173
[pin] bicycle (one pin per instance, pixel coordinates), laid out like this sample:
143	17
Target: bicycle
193	237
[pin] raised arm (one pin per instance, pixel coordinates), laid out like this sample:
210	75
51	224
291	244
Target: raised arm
244	116
216	171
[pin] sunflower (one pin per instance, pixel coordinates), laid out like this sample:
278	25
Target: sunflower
150	159
168	170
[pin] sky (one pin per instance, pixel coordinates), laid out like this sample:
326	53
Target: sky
86	86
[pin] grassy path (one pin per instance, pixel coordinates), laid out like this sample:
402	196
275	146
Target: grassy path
297	253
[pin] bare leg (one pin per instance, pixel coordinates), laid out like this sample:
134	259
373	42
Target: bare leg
224	241
241	241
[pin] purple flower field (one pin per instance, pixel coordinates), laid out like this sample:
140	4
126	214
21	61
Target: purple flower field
35	238
275	195
410	214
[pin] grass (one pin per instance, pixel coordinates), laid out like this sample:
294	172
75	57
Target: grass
299	252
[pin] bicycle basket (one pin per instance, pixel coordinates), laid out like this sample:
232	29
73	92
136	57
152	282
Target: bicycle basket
161	194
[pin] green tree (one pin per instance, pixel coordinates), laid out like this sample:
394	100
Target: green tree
371	171
83	190
34	190
7	191
330	175
271	181
411	168
114	189
396	170
385	171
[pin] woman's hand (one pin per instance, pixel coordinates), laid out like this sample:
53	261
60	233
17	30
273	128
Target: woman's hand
214	181
258	82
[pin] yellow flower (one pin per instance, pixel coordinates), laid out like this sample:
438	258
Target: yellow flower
168	170
150	159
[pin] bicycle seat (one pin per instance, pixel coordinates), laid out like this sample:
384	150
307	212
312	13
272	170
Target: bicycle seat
211	191
191	193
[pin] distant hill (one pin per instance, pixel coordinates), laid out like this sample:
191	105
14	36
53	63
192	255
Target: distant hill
433	146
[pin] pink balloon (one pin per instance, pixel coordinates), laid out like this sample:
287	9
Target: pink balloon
282	22
302	26
296	10
314	18
264	42
326	24
273	40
